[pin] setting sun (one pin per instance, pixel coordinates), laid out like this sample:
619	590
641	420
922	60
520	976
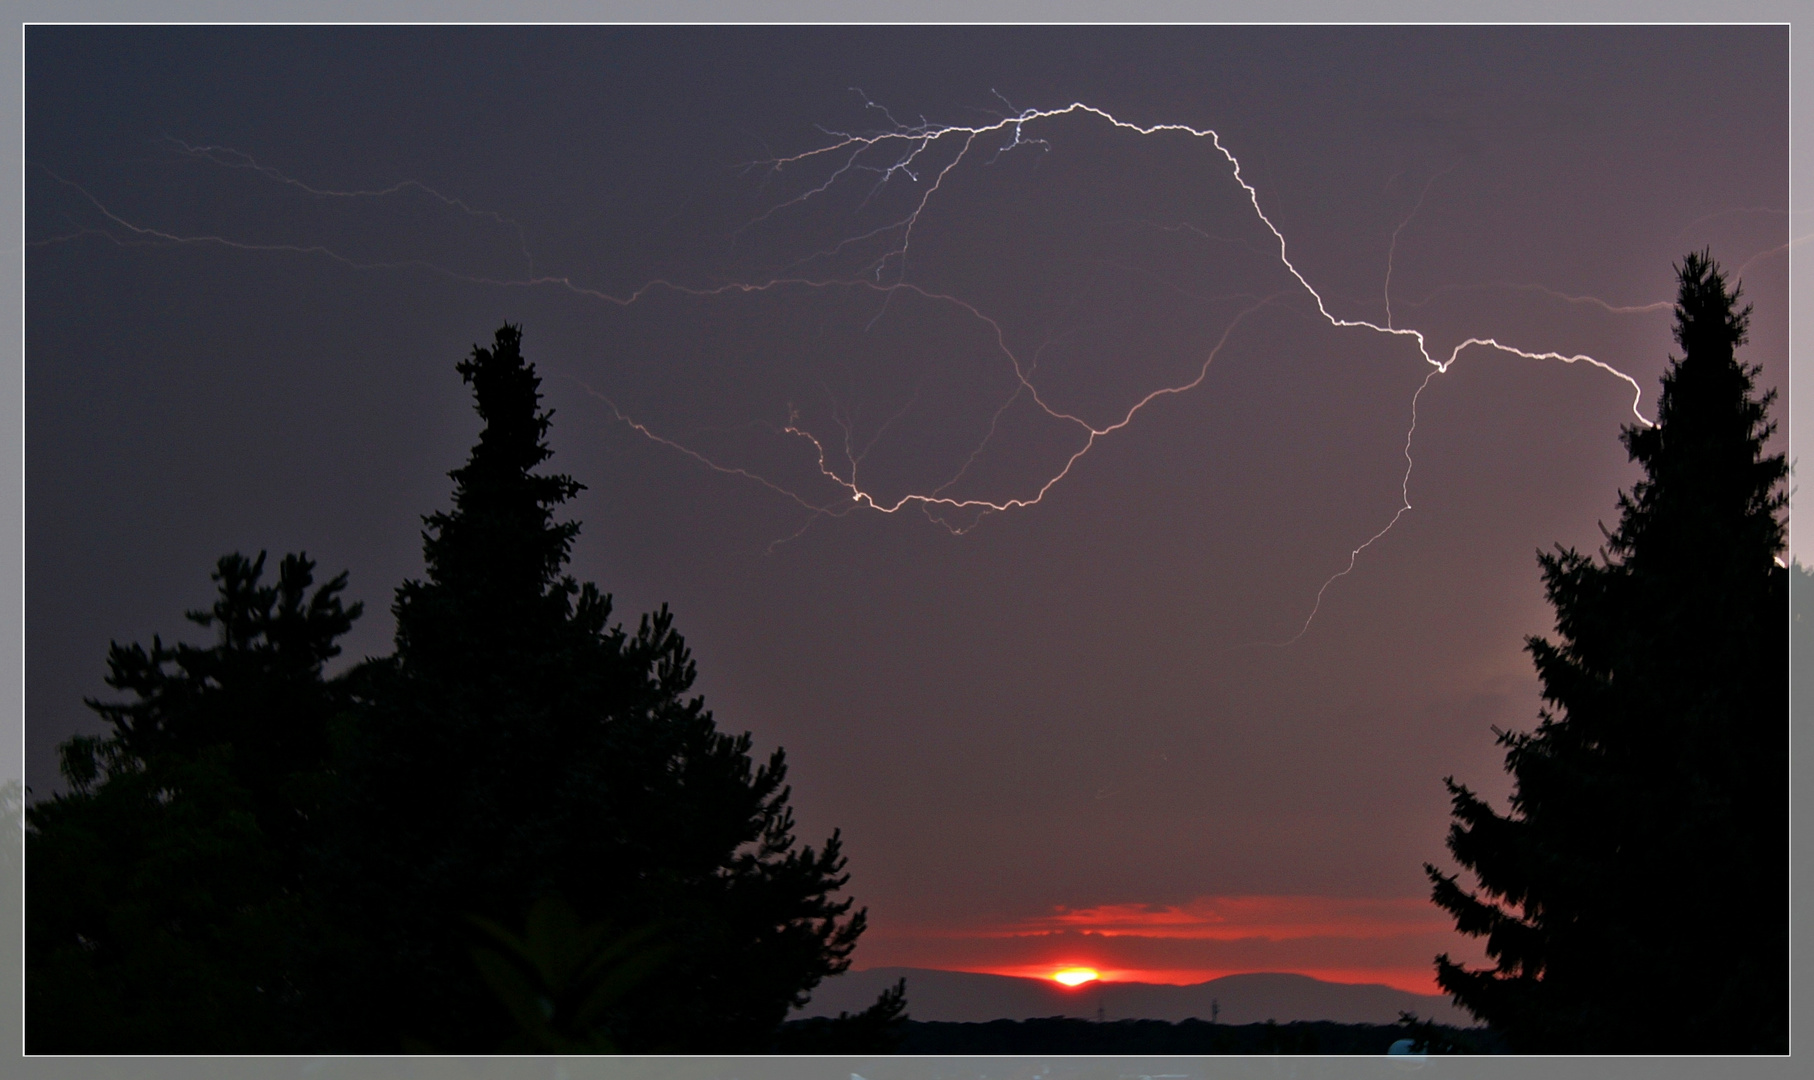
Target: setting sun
1076	976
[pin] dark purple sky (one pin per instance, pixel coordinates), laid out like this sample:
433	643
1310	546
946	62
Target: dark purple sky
1054	733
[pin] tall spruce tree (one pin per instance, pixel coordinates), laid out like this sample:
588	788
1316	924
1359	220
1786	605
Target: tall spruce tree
1635	896
519	750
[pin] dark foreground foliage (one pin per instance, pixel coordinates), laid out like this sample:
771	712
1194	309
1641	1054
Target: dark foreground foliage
1634	898
519	746
880	1029
1067	1035
168	889
518	832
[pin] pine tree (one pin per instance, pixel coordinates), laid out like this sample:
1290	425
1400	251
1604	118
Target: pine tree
1635	896
519	749
168	908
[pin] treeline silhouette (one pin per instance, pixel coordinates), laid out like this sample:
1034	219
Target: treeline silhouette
517	832
1634	898
1070	1035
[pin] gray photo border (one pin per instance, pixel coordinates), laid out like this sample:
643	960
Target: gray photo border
12	519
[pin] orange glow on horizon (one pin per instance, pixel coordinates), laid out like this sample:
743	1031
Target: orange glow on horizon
1355	940
1414	980
1076	976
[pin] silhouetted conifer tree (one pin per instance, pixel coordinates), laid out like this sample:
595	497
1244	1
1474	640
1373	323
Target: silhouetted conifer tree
168	905
879	1029
1635	897
519	747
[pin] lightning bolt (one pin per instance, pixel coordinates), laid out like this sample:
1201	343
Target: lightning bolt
921	136
227	157
1392	249
924	155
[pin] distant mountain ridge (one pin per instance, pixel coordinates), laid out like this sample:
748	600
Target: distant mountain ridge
969	997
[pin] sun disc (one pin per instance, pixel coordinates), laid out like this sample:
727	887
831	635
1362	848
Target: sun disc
1076	976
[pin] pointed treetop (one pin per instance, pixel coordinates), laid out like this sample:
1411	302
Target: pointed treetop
1708	484
1707	317
506	393
501	535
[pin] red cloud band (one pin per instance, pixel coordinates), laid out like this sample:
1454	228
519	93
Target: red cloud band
1390	941
1229	918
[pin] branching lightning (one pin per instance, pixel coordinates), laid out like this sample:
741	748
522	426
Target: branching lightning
227	157
923	155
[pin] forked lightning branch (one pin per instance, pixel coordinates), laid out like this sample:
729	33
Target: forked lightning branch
924	158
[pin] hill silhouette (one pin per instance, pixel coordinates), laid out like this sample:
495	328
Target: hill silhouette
965	996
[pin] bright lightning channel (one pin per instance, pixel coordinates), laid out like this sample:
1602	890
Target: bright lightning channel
914	140
908	146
